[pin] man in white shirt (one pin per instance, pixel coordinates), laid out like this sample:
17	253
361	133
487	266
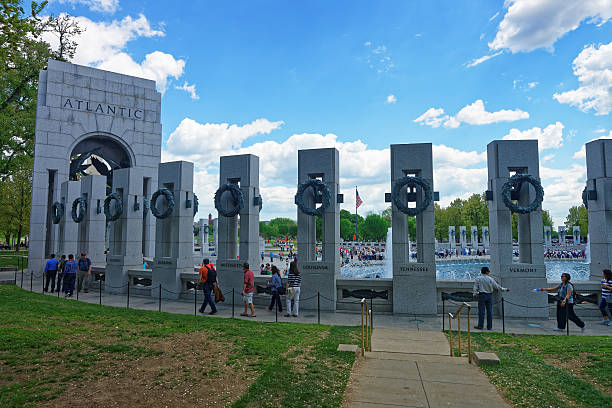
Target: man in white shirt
484	285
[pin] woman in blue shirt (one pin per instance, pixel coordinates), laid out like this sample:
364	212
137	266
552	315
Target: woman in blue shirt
565	303
275	285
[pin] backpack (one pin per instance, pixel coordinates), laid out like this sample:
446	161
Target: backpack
212	276
203	274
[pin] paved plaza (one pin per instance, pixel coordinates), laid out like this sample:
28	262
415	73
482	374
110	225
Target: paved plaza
381	320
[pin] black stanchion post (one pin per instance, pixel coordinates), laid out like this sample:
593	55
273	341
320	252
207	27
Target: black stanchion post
276	310
233	303
567	319
22	279
503	317
195	300
100	289
128	295
15	276
318	308
42	287
159	307
75	282
443	314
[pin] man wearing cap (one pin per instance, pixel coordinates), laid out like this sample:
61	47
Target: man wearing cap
84	272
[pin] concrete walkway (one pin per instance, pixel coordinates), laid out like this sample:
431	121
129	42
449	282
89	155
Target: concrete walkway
409	368
342	318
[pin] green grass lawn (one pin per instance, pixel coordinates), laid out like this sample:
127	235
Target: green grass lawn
54	350
549	370
10	258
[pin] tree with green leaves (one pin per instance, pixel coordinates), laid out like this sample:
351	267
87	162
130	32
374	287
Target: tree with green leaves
577	215
15	195
23	54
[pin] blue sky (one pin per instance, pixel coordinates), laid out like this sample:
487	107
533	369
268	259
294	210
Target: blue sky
270	77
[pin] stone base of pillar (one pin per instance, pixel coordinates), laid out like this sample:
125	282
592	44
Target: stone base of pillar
414	289
522	301
318	277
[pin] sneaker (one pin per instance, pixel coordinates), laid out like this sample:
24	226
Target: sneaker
479	328
604	322
212	313
558	329
582	329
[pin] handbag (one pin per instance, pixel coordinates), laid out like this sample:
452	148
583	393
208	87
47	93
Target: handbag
218	295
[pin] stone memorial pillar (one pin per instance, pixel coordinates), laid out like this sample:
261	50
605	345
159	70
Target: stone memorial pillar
485	237
92	229
452	242
505	157
414	283
599	204
462	237
173	228
203	235
561	232
576	231
68	231
474	236
318	182
238	195
215	238
125	232
547	236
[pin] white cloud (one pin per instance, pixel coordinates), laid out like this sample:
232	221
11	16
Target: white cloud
378	58
494	16
474	114
532	85
551	137
581	154
478	61
104	6
391	98
532	24
593	67
432	117
103	45
190	89
562	189
602	130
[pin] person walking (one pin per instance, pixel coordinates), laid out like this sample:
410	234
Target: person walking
248	288
565	303
84	273
208	280
70	273
605	305
275	284
294	281
51	268
60	273
484	285
271	257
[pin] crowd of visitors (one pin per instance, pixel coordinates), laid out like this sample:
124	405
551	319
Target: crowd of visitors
564	254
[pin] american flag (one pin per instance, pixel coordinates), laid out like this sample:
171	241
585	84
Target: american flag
358	200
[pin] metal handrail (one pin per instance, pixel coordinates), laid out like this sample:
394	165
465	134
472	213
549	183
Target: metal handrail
366	327
457	315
